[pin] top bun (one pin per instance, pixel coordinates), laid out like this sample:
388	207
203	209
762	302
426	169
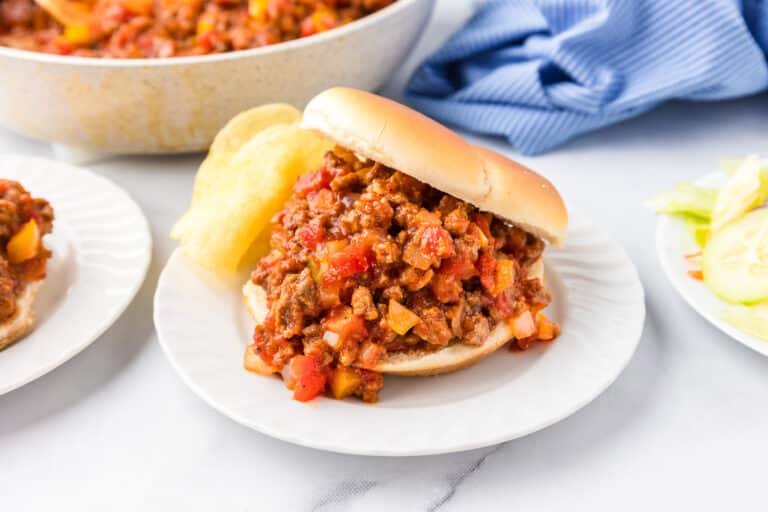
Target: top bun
401	138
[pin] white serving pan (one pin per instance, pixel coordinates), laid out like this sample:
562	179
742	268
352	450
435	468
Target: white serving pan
178	104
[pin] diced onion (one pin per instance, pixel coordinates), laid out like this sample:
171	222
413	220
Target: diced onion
288	378
332	339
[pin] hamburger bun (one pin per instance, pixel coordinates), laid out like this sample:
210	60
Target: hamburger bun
401	138
412	363
15	327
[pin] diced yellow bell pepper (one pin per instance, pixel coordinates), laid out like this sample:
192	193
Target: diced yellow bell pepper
547	330
77	35
25	244
257	9
505	275
344	382
204	26
400	318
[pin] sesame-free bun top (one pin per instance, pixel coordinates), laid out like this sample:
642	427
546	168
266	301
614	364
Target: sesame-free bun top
401	138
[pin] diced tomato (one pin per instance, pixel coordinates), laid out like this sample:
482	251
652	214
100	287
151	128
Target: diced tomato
436	241
460	266
446	284
61	47
138	7
116	12
308	376
310	235
322	201
347	325
321	20
505	303
486	267
354	259
313	181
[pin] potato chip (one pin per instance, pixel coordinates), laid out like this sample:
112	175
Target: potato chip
239	189
239	130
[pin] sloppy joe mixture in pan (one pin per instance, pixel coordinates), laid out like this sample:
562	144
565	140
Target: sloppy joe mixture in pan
367	261
169	28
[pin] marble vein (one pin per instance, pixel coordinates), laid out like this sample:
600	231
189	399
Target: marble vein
344	491
456	480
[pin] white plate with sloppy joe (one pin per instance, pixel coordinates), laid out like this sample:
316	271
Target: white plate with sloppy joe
101	249
598	301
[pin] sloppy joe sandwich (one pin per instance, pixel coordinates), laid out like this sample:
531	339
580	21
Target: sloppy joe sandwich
409	251
23	257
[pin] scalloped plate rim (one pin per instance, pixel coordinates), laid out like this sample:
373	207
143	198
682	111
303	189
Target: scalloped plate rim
114	305
697	295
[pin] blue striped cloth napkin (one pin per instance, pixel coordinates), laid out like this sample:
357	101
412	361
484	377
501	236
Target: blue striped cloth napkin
542	71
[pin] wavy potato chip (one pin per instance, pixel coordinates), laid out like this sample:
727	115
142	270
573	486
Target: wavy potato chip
235	134
244	181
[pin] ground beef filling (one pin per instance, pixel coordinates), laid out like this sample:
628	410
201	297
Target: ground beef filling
367	261
17	208
168	28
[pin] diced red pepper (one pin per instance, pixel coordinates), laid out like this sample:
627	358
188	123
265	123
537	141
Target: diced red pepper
313	181
486	267
308	376
310	235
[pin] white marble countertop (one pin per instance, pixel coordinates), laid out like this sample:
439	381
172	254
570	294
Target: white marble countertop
684	427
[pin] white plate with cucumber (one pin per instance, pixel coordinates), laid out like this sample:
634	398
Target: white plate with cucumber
713	247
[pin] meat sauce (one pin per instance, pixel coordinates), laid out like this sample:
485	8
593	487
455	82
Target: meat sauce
367	261
169	28
23	221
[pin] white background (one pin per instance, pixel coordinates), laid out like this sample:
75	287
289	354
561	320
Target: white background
684	427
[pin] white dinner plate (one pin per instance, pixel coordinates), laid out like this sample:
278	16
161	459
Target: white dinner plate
101	250
203	328
673	242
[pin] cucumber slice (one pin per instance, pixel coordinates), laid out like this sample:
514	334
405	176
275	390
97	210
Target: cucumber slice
735	262
745	189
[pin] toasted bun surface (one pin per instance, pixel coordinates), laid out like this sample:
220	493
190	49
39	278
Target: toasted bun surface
401	138
22	320
414	363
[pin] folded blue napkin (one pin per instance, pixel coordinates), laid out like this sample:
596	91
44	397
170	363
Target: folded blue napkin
542	71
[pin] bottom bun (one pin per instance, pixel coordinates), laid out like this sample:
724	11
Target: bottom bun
412	363
21	322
